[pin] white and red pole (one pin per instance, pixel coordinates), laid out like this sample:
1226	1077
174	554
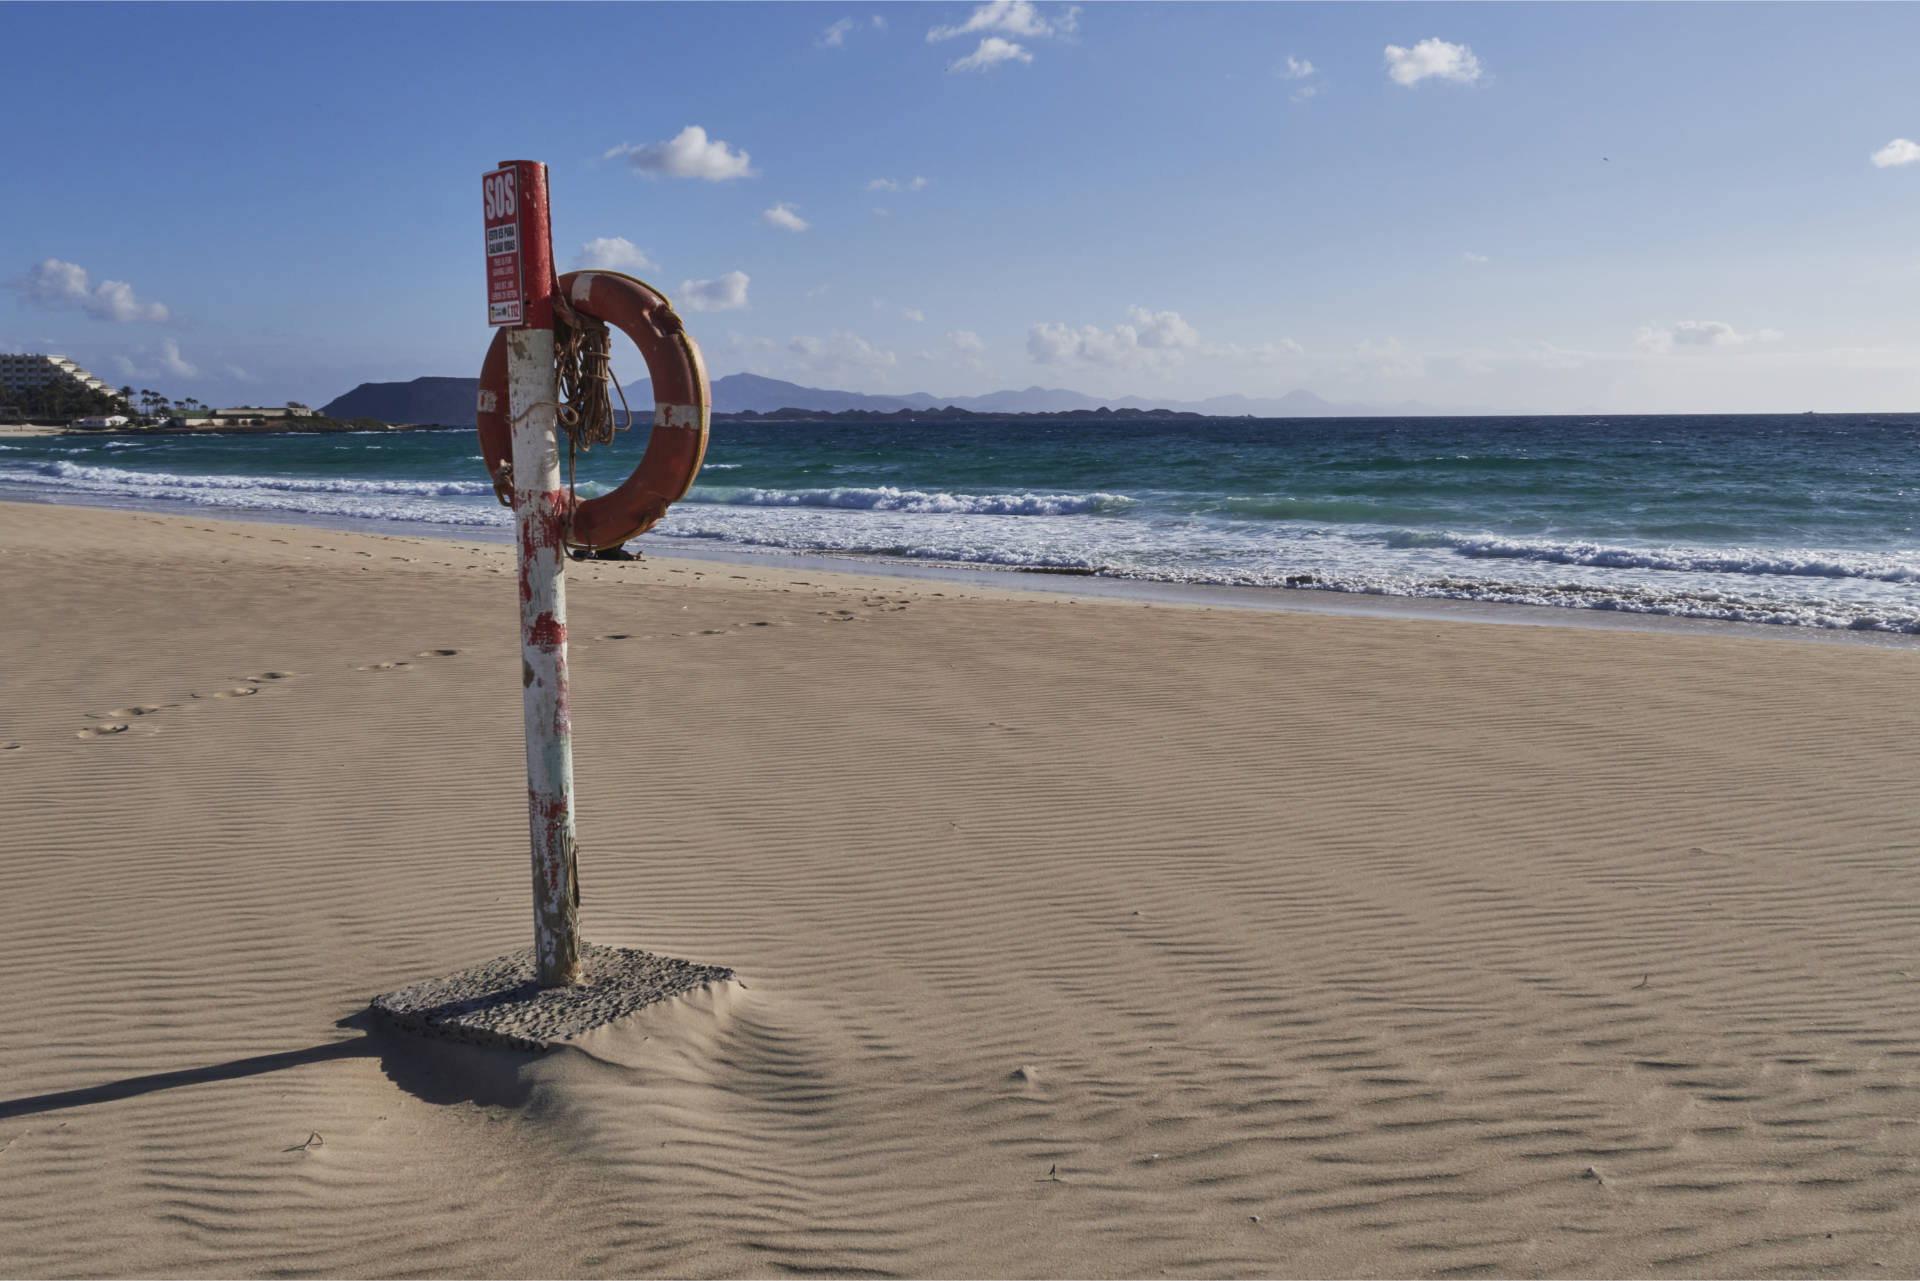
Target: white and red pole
520	285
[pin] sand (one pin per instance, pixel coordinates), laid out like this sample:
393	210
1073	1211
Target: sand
1075	938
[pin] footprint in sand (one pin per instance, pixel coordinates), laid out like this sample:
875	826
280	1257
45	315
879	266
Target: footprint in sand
106	729
398	663
128	713
238	691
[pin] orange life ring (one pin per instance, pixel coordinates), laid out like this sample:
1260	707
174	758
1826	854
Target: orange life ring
680	410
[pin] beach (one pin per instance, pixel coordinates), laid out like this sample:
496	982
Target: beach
1075	936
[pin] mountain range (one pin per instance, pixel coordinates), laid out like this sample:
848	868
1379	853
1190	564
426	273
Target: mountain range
450	401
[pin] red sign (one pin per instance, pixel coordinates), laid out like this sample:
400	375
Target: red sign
506	301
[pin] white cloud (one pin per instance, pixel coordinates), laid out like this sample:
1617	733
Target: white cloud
147	363
1296	69
1478	260
960	347
1434	59
1266	353
612	253
1901	151
240	375
728	293
114	300
171	361
1662	340
841	351
1145	339
835	36
915	315
54	283
742	342
916	183
1014	17
782	215
688	154
1388	360
1303	93
992	52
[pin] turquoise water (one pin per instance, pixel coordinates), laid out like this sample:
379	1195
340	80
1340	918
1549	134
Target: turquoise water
1809	520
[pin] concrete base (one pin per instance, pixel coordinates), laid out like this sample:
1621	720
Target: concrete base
497	1002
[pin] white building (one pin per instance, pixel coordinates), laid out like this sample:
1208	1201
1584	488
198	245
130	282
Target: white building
24	372
109	421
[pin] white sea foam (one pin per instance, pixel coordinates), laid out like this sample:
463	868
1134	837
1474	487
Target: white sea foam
1790	562
888	498
452	503
1039	529
116	479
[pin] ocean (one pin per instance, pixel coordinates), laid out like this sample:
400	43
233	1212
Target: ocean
1802	520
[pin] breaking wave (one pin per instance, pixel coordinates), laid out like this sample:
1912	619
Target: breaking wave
886	498
1790	562
151	484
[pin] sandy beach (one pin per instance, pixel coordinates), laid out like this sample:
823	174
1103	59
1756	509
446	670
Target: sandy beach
1076	937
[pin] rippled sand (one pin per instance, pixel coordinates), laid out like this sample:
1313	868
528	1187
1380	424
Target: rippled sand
1083	939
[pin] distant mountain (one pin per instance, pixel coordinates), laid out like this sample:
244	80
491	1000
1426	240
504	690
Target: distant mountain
448	402
1300	404
739	393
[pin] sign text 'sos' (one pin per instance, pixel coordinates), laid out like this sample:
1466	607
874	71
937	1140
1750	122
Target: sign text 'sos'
498	187
505	298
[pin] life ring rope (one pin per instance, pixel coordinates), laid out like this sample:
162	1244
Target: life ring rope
681	415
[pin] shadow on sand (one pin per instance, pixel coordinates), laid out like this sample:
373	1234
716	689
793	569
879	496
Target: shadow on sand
432	1071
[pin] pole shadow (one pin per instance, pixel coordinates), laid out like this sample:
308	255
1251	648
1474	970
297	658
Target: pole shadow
232	1070
432	1071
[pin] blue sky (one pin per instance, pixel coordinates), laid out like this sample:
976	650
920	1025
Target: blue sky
1555	207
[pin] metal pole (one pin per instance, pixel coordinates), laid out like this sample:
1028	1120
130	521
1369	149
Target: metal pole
540	524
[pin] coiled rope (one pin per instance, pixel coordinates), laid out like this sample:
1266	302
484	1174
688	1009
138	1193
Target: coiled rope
582	353
582	350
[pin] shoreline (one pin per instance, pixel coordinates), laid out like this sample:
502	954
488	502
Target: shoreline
1044	583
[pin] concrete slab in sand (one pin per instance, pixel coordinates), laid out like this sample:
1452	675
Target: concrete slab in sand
498	1003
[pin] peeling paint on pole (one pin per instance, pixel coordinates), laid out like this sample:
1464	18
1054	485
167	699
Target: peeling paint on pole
540	524
539	506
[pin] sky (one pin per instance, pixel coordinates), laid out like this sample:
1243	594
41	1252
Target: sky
1516	208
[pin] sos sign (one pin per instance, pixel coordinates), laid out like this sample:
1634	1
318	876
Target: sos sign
500	192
